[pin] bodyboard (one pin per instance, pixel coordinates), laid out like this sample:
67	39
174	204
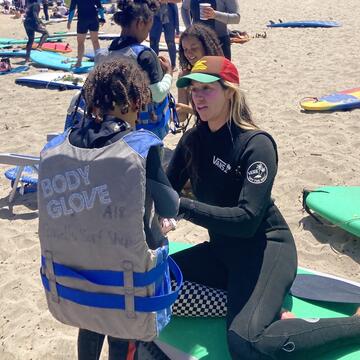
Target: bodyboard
53	80
205	338
305	23
13	53
338	204
15	70
342	100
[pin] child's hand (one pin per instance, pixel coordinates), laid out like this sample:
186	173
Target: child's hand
167	225
165	65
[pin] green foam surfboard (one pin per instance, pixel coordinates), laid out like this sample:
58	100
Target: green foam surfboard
338	204
205	338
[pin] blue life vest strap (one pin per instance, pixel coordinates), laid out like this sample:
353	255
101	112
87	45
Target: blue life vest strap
114	301
107	277
159	110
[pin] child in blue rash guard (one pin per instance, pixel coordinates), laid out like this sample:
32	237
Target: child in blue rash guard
114	93
33	24
251	253
90	14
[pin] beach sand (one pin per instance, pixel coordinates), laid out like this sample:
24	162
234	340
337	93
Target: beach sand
276	72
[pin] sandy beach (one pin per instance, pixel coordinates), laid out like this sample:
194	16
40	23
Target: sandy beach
276	73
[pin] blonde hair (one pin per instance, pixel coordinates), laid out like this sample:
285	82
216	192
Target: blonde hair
239	110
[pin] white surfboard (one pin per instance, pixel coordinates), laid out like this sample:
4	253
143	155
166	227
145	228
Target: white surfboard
53	80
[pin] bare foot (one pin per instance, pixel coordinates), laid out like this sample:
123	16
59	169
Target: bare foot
285	314
76	65
357	313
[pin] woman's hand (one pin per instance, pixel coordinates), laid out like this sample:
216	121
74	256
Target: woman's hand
209	13
167	225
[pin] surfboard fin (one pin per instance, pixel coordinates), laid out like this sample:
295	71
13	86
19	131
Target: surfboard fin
306	193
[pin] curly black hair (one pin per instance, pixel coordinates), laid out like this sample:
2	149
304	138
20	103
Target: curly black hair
118	82
131	10
208	39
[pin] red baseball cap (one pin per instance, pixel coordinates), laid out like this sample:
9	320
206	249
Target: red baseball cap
210	69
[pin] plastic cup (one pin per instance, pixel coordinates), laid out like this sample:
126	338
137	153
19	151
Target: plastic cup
202	7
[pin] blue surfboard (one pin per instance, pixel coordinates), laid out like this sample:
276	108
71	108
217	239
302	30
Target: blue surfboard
13	53
60	62
305	23
18	69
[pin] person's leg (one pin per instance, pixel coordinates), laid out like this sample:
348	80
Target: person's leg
175	14
226	46
118	349
258	283
256	332
169	30
46	10
80	48
82	28
89	345
200	264
94	34
155	34
30	32
44	35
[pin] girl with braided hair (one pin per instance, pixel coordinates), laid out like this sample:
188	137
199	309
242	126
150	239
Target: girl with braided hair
136	19
114	92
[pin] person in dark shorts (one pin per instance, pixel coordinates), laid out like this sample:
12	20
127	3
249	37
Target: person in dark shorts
90	16
33	24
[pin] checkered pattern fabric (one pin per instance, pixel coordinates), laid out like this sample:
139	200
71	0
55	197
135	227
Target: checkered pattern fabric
196	300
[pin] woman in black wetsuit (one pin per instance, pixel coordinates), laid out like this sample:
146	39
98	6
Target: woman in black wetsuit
251	253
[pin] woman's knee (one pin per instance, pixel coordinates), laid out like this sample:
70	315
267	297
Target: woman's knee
242	349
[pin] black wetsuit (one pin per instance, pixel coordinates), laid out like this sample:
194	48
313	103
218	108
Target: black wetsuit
87	14
93	135
32	24
251	253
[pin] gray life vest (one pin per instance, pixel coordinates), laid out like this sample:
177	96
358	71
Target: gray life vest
96	266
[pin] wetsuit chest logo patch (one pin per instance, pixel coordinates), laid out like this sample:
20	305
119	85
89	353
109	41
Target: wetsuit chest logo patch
257	172
222	165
